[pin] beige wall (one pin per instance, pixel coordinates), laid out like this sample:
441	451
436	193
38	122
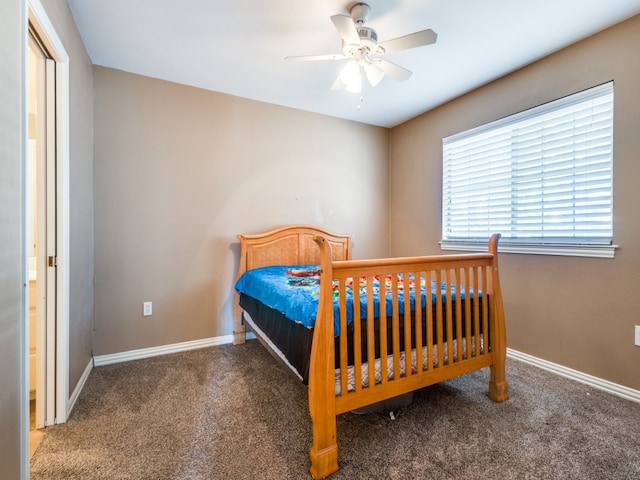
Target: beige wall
180	171
13	392
577	312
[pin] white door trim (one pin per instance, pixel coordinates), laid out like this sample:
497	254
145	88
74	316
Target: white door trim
58	386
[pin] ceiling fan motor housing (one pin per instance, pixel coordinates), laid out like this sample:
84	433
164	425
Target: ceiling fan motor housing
368	43
368	36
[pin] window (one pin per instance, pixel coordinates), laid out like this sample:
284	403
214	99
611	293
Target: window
541	178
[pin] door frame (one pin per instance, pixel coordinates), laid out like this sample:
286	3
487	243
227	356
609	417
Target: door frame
56	378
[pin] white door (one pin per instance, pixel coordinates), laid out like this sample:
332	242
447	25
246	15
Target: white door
47	235
52	224
41	154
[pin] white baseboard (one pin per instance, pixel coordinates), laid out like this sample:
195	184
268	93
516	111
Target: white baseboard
100	360
607	386
76	391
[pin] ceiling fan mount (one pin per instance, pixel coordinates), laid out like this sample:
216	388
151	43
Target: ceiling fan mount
360	13
360	44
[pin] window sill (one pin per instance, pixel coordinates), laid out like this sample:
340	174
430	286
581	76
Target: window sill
595	251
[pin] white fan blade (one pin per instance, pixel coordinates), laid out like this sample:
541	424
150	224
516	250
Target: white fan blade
310	58
392	70
413	40
346	29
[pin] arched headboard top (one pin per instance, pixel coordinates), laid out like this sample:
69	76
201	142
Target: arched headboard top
289	245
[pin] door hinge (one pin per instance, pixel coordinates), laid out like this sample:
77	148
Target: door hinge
53	261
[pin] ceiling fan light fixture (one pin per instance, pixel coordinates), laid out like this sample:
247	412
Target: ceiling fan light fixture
351	76
360	45
374	73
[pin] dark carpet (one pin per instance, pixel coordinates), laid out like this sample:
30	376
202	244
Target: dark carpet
232	412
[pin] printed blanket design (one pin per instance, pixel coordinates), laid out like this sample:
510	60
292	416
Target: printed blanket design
294	291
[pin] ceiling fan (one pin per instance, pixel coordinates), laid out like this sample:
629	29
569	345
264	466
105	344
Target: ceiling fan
360	45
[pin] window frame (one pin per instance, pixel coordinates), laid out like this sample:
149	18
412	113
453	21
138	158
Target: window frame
554	245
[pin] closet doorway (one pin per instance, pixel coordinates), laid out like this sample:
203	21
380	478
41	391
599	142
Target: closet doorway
46	220
41	202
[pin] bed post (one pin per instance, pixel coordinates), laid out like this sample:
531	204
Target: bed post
239	328
322	405
498	385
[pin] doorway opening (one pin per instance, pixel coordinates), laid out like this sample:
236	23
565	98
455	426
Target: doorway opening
47	221
39	122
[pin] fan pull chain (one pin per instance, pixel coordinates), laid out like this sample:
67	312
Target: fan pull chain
361	100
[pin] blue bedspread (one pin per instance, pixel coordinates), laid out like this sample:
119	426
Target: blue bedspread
294	291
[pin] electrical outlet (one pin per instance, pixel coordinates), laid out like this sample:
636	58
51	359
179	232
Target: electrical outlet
638	335
147	309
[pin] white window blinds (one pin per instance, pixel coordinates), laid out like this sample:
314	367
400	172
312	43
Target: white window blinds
539	177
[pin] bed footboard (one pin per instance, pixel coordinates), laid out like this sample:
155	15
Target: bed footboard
451	325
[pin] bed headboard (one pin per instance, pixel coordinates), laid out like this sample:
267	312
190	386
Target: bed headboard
289	245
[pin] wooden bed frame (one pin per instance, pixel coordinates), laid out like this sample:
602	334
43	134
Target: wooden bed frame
452	352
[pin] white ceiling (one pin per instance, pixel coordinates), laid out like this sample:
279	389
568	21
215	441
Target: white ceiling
238	46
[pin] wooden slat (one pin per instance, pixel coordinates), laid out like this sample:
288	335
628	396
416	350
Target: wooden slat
417	320
383	333
449	316
357	336
458	316
439	325
344	360
476	309
407	323
467	311
429	307
395	327
371	342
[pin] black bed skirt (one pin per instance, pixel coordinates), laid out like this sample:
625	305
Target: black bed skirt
294	339
291	338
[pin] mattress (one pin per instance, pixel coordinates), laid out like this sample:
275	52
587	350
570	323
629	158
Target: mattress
292	340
